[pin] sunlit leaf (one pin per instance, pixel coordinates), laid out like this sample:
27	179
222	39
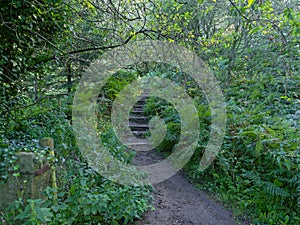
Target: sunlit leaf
250	2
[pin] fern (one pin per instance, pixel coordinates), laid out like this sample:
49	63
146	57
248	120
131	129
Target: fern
267	186
295	179
273	189
280	172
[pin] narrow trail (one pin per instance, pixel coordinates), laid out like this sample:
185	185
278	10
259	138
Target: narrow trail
175	200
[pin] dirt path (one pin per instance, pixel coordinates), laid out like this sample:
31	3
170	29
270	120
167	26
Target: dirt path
176	201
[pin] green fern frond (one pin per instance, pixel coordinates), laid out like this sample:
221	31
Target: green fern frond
279	172
273	189
295	179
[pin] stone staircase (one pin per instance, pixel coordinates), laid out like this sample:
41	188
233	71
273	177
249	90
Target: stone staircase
138	124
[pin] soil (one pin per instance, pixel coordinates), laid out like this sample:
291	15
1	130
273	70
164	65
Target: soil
176	201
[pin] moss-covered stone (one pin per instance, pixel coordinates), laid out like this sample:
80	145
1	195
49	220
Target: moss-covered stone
34	178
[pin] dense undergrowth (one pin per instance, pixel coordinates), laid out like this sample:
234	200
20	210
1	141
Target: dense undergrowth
83	196
257	170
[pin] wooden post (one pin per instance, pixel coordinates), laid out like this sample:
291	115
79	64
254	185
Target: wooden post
48	142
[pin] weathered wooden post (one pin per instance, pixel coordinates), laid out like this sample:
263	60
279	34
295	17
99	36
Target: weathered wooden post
48	142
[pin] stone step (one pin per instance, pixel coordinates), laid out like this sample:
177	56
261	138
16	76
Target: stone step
139	129
139	111
138	117
139	143
139	104
142	100
138	125
138	107
140	132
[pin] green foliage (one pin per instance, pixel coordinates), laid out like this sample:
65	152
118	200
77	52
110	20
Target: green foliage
27	30
163	109
254	53
88	198
83	195
111	89
35	213
159	107
92	198
258	167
